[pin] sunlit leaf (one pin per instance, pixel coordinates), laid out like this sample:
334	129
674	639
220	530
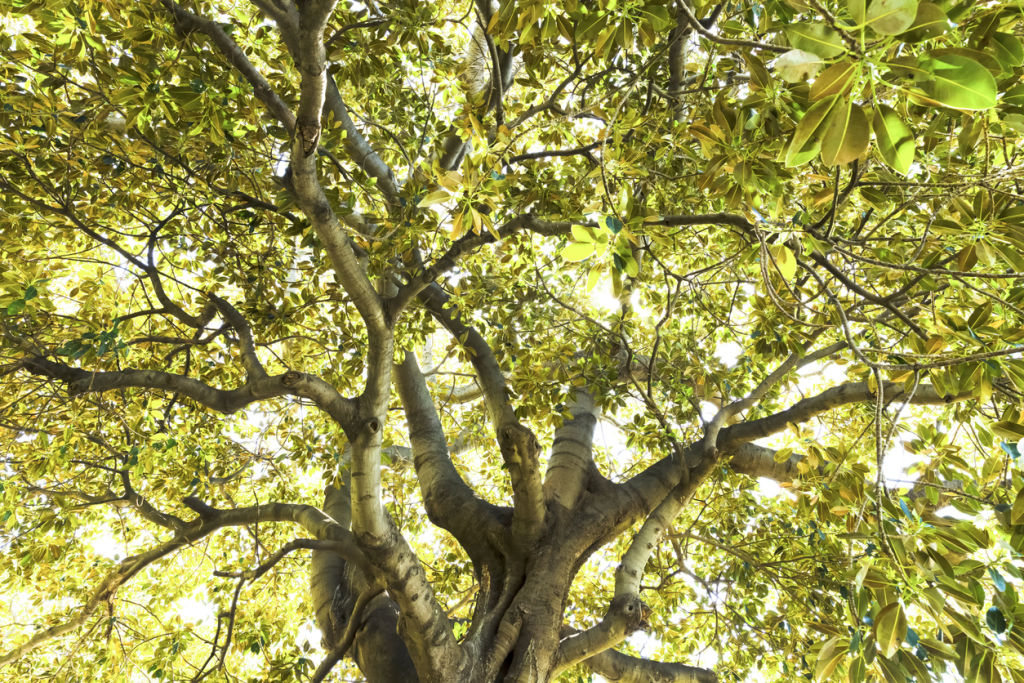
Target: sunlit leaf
958	81
894	138
890	17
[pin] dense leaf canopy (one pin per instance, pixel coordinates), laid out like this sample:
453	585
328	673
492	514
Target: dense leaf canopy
651	340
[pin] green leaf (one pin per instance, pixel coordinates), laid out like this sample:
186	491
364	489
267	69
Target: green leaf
831	653
857	671
1009	430
847	135
435	197
806	142
577	251
997	579
930	22
995	619
819	39
835	80
16	307
894	138
889	17
958	81
1008	50
582	233
1014	96
1017	511
613	224
890	628
632	267
858	10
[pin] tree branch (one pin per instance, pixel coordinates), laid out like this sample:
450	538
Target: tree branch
467	244
227	401
449	501
189	22
310	518
626	614
699	27
358	149
348	636
253	368
571	457
843	394
622	668
518	445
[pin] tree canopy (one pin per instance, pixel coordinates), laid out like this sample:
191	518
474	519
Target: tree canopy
518	341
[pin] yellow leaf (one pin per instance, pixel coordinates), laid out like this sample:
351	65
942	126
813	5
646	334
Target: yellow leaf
784	260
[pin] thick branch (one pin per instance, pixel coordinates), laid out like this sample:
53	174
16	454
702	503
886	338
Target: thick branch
571	457
358	148
312	65
253	367
622	668
518	445
449	501
488	372
225	401
190	22
758	461
631	568
851	392
625	615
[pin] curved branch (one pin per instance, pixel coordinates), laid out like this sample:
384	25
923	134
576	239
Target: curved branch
622	668
489	374
843	394
226	401
358	148
189	22
449	501
626	614
253	368
518	445
699	27
209	520
348	636
467	244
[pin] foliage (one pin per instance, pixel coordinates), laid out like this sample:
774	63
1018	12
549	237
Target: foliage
775	240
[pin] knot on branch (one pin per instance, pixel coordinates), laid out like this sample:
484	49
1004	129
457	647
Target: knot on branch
518	444
630	612
373	425
309	134
291	378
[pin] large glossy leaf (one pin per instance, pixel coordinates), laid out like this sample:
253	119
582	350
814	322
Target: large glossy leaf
806	141
890	17
837	79
890	628
930	22
816	38
831	654
847	135
894	138
958	81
